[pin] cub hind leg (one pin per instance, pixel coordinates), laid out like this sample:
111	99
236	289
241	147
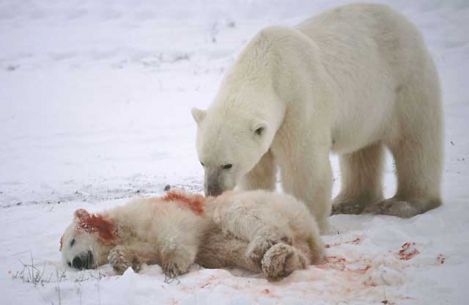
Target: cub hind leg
220	250
281	260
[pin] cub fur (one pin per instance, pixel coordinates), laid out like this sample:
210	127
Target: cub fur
258	230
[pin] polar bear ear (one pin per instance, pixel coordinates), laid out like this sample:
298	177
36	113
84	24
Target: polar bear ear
198	114
259	128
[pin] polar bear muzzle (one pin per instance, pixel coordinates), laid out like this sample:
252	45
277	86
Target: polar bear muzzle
218	180
212	185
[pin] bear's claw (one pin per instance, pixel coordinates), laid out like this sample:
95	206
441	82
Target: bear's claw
261	244
280	261
121	259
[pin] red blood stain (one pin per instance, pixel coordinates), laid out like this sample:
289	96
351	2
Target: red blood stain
342	264
356	241
363	270
336	262
370	283
408	251
194	202
441	259
92	223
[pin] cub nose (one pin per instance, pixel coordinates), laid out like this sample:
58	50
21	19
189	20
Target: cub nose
77	262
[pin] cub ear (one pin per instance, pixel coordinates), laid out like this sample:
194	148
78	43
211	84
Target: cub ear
259	128
198	114
81	214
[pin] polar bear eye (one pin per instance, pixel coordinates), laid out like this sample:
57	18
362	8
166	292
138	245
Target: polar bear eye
72	242
227	166
259	131
202	163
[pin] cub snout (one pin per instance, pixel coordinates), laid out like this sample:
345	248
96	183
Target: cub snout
83	261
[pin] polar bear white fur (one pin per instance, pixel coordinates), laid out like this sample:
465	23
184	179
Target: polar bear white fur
353	80
256	230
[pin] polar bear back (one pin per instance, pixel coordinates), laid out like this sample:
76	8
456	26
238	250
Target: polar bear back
371	52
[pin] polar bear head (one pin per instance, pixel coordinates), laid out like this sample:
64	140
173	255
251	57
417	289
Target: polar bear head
229	145
86	243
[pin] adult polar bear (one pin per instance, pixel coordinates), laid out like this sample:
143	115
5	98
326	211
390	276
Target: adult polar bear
352	80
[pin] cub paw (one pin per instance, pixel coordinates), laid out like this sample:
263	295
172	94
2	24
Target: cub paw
280	261
171	270
121	259
262	243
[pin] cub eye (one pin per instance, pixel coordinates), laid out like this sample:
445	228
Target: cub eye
72	242
227	166
202	163
69	264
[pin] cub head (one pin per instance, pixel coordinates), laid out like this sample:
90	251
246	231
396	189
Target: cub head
86	243
229	146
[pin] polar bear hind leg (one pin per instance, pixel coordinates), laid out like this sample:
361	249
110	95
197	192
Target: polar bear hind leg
418	176
418	153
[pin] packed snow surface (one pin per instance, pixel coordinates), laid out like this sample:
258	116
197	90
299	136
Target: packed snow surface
95	101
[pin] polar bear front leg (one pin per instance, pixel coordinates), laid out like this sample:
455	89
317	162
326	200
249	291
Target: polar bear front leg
306	174
262	176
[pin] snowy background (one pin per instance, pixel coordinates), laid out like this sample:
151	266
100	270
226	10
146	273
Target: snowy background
95	101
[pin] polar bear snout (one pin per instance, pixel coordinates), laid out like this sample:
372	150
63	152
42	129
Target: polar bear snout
215	185
219	179
212	185
213	190
83	261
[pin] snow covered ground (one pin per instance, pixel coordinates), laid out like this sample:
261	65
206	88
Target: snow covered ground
95	101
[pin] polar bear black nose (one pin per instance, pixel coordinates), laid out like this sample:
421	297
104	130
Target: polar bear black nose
77	262
213	190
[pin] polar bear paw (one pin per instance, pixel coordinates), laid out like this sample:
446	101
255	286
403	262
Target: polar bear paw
281	260
393	207
347	208
262	243
121	259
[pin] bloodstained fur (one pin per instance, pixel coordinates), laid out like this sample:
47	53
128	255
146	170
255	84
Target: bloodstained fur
194	202
96	223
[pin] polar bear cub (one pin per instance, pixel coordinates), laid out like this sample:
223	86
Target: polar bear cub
258	230
353	80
